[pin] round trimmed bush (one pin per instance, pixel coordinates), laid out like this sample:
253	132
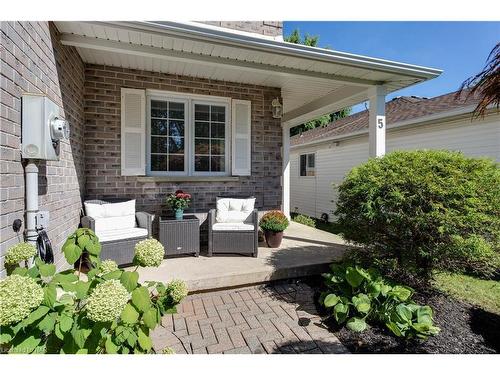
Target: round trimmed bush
426	209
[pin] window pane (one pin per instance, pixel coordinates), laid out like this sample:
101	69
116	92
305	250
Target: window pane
202	129
176	110
217	147
176	128
176	145
158	162
201	163
159	127
159	109
201	146
217	164
202	112
218	130
303	160
310	160
218	114
159	145
176	163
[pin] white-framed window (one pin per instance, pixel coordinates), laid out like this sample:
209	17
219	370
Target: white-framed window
187	135
307	165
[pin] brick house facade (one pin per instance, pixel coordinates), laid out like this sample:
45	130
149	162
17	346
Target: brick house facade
34	60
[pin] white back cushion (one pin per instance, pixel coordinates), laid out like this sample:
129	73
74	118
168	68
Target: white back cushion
110	216
233	210
119	209
94	210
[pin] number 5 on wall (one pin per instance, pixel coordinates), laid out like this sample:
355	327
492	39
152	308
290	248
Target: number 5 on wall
380	122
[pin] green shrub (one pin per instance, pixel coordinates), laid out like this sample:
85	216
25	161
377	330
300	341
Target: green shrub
274	221
358	296
106	311
306	220
411	205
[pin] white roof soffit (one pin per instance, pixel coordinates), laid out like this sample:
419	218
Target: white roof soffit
313	81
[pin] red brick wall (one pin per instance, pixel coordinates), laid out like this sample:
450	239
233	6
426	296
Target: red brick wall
32	60
102	141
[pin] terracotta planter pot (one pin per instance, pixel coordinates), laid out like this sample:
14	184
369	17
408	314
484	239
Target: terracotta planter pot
273	239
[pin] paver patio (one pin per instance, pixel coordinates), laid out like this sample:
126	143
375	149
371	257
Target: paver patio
278	318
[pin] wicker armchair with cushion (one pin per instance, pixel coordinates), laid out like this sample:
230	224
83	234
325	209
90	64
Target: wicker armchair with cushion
233	227
118	227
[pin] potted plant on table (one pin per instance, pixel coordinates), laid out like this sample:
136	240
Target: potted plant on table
179	201
273	224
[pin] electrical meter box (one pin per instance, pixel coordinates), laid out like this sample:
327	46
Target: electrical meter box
43	128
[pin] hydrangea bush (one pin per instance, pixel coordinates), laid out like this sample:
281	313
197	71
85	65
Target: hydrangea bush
104	311
19	253
149	253
108	266
19	295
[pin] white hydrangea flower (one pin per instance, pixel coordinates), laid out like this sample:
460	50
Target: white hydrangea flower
108	266
20	252
107	301
19	295
177	289
149	253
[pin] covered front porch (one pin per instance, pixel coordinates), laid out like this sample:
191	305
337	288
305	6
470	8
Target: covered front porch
305	251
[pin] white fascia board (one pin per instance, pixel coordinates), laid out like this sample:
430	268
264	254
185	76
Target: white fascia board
452	115
199	31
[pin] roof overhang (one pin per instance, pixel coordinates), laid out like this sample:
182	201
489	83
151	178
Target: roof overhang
464	113
313	81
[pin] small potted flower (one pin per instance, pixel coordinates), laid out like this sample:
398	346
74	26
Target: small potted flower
179	201
273	224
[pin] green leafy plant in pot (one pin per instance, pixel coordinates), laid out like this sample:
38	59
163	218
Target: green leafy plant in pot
179	201
273	224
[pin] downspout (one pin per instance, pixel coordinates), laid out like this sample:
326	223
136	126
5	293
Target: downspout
31	172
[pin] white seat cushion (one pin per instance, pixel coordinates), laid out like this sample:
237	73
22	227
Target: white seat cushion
232	210
232	226
120	234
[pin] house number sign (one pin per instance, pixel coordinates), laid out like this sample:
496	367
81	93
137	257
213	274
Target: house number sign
380	122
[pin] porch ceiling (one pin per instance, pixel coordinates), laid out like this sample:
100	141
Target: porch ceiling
313	81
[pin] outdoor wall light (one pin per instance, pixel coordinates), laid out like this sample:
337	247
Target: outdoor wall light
277	108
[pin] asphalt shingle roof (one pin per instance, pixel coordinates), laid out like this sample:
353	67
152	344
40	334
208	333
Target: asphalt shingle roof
399	109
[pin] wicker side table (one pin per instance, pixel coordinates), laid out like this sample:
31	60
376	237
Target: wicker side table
180	236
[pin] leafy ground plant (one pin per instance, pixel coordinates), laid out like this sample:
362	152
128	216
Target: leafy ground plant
356	297
105	311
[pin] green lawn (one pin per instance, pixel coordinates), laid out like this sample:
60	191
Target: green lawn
484	293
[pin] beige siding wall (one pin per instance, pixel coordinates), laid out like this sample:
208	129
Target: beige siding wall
314	196
33	60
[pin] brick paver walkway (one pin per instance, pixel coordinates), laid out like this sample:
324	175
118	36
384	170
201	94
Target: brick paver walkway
278	318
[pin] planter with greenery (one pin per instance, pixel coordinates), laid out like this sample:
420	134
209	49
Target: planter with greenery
357	297
273	223
424	211
105	311
179	201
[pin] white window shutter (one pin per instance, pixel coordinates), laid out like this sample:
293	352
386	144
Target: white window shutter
241	113
133	132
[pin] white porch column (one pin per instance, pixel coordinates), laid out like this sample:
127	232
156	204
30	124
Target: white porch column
376	125
285	176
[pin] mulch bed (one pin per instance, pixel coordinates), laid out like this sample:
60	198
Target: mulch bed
465	329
